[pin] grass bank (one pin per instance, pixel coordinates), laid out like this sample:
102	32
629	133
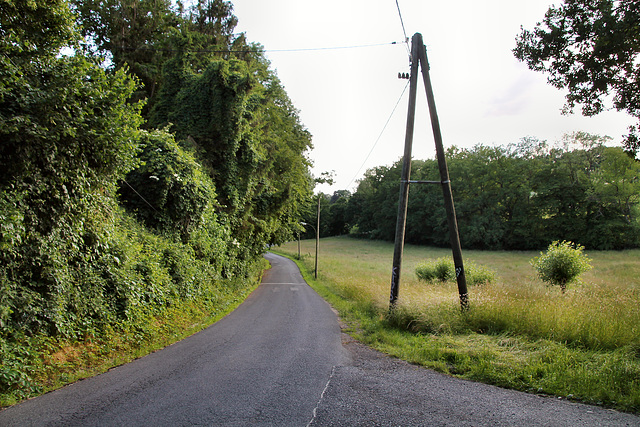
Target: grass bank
53	362
583	345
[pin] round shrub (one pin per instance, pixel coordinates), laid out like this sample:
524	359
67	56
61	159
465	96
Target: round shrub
561	264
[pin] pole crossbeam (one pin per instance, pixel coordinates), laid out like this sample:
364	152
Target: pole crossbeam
425	182
419	58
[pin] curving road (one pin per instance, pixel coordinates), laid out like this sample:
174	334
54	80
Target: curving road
281	360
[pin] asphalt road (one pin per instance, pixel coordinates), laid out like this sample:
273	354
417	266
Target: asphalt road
281	360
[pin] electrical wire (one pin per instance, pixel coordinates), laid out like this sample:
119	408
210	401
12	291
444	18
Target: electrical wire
380	135
151	49
404	31
140	195
330	48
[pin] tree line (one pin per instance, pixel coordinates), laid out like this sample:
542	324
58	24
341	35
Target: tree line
516	197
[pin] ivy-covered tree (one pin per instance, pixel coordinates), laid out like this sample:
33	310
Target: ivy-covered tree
67	134
246	131
131	34
592	49
222	101
142	35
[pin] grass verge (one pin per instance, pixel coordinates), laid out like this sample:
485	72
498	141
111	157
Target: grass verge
583	345
57	362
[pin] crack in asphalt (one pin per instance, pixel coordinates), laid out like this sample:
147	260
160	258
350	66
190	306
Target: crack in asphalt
315	410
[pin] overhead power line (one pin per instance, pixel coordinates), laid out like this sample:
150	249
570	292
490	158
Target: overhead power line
153	49
402	22
404	31
379	136
330	48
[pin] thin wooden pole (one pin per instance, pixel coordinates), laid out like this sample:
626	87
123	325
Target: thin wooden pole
403	198
454	236
315	271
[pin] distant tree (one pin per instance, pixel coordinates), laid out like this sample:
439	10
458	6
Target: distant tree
338	222
486	190
426	216
516	197
340	194
378	196
592	49
614	219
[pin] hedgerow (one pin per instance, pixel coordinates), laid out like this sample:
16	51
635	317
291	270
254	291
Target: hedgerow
107	224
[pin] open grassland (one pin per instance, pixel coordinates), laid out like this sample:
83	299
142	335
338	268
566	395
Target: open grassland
519	333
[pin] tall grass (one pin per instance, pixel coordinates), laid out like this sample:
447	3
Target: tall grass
518	333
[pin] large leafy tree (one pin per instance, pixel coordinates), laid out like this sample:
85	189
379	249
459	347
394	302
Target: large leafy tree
131	34
67	134
142	35
592	49
223	102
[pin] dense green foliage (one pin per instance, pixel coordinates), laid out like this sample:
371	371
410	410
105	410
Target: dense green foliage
175	191
246	131
521	196
591	48
67	135
441	269
131	184
561	264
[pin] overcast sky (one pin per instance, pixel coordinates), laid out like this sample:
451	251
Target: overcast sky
345	96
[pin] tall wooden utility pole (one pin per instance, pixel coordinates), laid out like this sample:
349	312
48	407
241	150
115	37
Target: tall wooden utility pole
403	200
419	56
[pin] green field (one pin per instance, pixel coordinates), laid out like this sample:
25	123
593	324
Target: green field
519	333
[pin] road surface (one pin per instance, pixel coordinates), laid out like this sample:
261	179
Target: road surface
281	360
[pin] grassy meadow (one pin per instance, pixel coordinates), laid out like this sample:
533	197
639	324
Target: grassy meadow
519	333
